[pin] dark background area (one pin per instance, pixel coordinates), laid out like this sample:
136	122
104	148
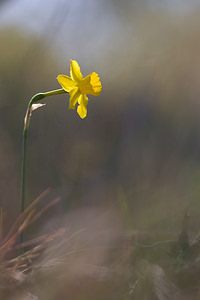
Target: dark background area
141	139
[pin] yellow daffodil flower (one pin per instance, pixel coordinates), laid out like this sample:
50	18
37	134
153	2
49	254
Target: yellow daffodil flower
78	87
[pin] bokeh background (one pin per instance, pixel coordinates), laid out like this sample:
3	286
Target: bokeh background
138	150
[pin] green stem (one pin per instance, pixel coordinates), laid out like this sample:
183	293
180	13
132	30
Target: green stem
23	180
33	100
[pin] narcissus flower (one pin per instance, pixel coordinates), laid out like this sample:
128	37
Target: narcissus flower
78	87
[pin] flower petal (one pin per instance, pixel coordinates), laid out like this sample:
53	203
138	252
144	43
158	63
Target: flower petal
75	71
74	97
66	82
90	85
82	109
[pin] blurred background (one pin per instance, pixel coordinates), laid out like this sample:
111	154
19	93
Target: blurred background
138	150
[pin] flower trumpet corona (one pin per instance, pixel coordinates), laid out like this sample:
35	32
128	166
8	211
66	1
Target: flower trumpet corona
78	87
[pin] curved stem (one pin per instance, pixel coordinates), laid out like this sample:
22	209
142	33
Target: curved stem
33	100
